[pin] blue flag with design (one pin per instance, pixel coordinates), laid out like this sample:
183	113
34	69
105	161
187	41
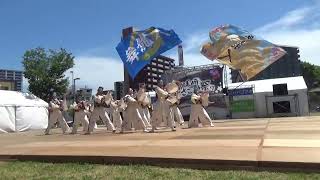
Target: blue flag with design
138	48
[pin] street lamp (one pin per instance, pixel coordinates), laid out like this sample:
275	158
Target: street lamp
74	88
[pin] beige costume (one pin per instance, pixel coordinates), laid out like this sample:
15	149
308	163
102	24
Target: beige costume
198	113
55	108
162	114
81	113
116	108
132	118
144	101
99	112
174	100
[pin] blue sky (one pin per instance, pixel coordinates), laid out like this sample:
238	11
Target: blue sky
92	29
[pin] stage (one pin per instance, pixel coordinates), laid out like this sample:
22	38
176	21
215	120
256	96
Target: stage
255	143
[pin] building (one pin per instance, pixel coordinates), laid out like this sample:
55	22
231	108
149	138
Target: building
11	80
269	98
287	66
150	75
84	94
118	90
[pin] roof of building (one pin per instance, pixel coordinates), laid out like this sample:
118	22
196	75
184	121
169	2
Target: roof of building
266	85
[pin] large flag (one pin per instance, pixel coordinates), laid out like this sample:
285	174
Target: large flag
138	48
241	50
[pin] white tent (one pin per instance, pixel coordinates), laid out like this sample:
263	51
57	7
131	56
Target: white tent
22	112
265	101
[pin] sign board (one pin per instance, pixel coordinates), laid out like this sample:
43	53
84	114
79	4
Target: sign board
203	79
246	105
240	92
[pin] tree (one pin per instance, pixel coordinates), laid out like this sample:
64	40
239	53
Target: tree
45	71
311	74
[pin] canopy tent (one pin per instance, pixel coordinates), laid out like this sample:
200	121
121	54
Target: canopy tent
269	97
22	112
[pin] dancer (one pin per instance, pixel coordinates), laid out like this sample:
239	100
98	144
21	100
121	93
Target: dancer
174	99
116	108
55	115
144	103
81	113
132	119
198	113
162	115
99	112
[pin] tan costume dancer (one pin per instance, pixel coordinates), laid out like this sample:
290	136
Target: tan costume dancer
132	119
55	110
116	108
162	114
99	112
144	102
198	113
81	113
174	100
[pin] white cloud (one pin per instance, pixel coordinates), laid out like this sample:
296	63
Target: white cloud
191	50
93	72
299	28
289	20
97	71
194	41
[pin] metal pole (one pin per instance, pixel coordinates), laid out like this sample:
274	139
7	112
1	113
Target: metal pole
74	90
72	84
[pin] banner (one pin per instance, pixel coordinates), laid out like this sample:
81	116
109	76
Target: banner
209	79
242	105
138	48
241	50
240	92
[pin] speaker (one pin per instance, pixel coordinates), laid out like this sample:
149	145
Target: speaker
280	89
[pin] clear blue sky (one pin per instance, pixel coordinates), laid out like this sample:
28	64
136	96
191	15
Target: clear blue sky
79	25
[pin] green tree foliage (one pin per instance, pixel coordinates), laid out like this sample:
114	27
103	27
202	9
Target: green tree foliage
45	71
311	74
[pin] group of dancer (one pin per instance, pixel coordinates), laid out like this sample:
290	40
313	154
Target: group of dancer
132	112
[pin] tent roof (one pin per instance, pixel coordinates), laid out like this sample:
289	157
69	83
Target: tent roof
293	83
14	98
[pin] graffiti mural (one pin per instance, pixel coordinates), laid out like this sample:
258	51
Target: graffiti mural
209	79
